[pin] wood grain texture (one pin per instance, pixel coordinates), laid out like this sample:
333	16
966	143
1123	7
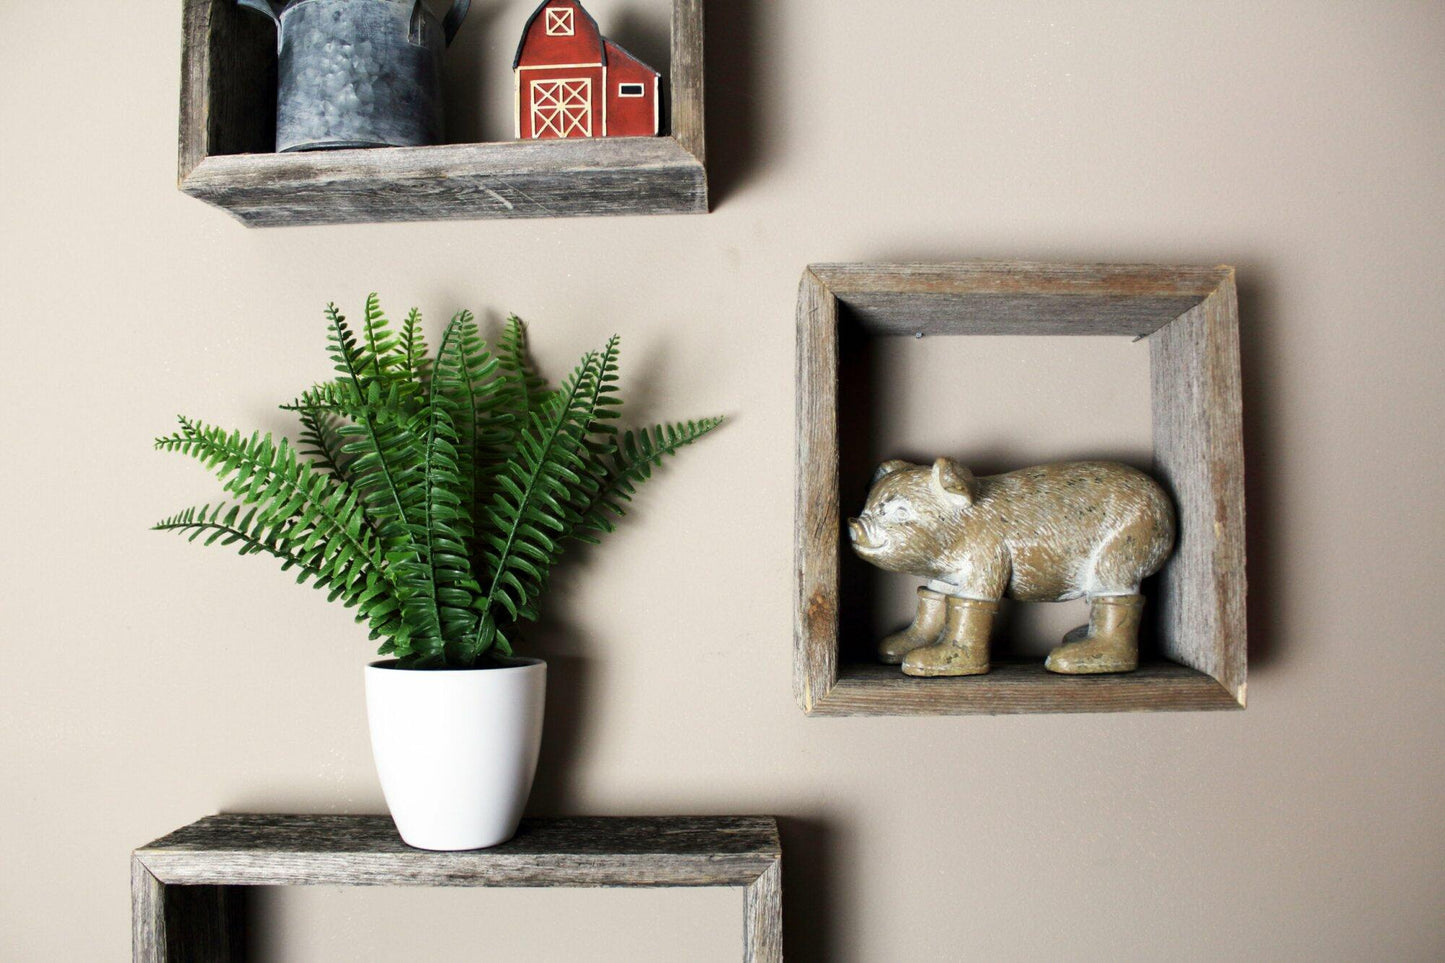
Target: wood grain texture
554	178
1199	450
182	923
228	82
1016	297
187	887
263	850
763	921
686	91
147	913
816	525
1012	688
1191	316
227	134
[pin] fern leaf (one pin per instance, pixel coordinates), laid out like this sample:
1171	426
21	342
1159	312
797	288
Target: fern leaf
536	493
471	381
321	439
383	349
512	352
446	523
629	463
387	462
353	577
415	364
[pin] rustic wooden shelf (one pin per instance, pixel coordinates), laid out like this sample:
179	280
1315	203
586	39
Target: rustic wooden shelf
1018	687
1190	317
185	887
227	136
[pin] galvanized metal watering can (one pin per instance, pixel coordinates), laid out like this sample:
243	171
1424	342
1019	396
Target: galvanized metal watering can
359	73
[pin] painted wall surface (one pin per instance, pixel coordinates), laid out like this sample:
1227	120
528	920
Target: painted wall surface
149	682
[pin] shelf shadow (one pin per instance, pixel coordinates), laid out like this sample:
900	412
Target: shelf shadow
1260	347
734	107
858	425
808	888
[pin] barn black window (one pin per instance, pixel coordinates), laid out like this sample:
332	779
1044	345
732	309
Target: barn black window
630	90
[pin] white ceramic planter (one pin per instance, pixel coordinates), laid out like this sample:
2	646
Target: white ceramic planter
456	749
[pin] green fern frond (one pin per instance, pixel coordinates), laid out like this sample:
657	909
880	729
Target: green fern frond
353	577
512	353
383	348
320	439
415	364
536	492
628	464
432	494
447	524
470	379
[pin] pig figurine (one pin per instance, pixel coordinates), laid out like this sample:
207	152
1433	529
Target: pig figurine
1090	528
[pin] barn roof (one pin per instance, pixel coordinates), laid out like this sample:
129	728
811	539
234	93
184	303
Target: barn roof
627	53
527	32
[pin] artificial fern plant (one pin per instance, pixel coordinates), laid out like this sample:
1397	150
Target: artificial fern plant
432	494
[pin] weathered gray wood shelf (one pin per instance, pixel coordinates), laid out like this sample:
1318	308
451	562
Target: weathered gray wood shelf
227	136
185	887
1018	687
1191	320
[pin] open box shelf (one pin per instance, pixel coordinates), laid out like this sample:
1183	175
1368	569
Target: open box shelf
188	888
227	136
1190	317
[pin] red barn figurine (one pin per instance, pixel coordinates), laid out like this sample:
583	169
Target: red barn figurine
574	82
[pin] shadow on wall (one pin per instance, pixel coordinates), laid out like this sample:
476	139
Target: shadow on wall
734	109
857	428
646	37
466	73
1259	347
808	881
570	675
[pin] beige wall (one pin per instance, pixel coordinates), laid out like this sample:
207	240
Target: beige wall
149	682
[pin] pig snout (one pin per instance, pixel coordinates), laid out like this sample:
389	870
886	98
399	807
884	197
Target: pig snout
862	534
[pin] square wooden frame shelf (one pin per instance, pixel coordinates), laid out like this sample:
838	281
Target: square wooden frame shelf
1191	318
227	140
187	887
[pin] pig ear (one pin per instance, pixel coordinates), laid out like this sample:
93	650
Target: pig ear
889	467
951	478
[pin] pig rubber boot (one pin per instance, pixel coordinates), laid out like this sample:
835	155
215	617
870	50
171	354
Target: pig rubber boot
1109	643
963	647
927	625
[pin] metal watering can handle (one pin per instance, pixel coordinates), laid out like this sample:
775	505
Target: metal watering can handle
270	10
266	8
452	22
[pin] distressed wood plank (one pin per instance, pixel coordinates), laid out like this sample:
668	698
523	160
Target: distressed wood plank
1022	687
227	131
366	851
763	922
228	82
556	178
686	93
1016	297
815	529
1199	452
147	913
181	923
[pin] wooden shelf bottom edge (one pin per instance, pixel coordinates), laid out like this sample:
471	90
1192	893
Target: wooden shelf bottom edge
1023	687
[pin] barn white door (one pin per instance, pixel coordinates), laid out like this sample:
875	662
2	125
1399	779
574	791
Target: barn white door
562	108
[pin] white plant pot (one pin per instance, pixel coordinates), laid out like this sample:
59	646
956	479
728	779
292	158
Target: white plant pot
456	749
